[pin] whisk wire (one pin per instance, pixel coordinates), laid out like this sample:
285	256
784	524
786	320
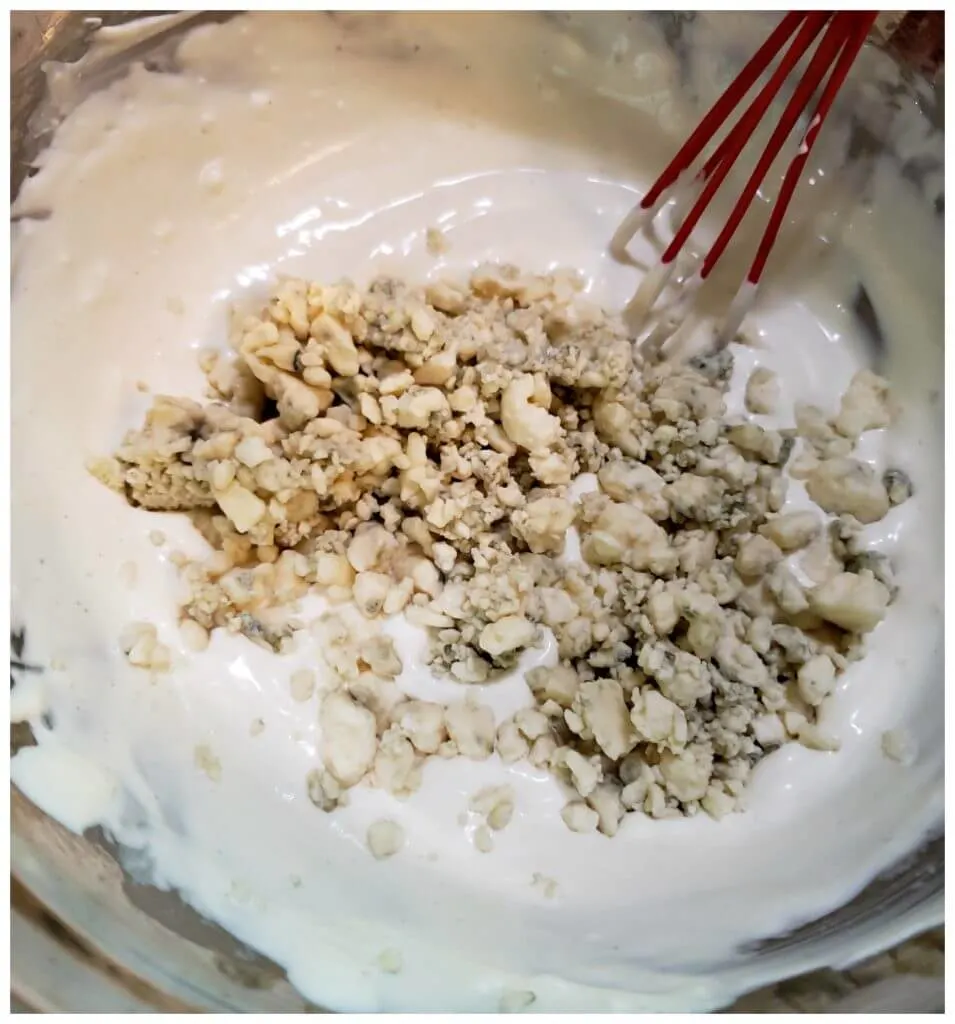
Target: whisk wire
830	45
844	36
717	114
850	51
729	150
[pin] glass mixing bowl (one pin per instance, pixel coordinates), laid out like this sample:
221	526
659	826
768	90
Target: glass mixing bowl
87	938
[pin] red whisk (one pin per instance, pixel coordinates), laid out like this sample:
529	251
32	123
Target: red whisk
845	33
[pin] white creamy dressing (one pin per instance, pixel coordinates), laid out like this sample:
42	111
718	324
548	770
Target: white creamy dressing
322	147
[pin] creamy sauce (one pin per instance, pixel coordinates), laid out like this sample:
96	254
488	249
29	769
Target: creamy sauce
326	146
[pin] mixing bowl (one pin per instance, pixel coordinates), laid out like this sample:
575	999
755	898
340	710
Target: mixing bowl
86	937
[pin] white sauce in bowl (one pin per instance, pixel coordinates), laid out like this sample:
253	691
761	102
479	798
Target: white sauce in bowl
324	147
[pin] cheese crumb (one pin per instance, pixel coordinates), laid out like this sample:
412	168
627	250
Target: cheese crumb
385	839
414	451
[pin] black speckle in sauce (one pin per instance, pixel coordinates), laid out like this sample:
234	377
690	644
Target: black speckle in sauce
18	652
